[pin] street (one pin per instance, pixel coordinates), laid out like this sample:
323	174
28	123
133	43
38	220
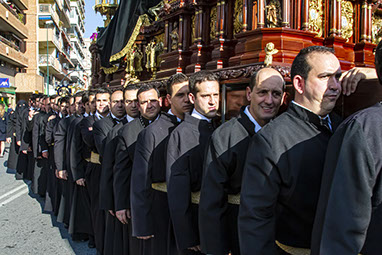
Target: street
24	228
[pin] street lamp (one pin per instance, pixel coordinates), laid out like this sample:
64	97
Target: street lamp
47	23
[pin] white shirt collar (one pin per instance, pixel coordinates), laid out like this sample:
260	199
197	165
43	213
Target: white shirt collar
98	116
170	112
114	117
251	118
129	118
198	115
86	114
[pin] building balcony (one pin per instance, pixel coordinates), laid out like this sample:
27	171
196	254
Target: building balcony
65	17
21	4
12	55
60	5
48	34
46	10
55	67
11	21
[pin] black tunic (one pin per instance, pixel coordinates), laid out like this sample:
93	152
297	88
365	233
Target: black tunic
184	170
124	158
223	173
40	173
100	131
24	161
349	213
62	139
53	192
149	208
114	242
3	126
80	218
13	148
281	182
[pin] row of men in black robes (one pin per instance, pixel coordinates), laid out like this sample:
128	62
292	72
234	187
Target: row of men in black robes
175	183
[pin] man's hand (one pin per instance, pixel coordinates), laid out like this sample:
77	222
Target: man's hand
62	174
45	154
145	237
18	143
32	113
123	215
81	182
112	213
195	248
9	140
51	117
350	79
25	151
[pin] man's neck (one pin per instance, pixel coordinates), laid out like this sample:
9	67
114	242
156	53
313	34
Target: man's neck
176	113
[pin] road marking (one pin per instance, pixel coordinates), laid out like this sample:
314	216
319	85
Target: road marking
22	192
12	191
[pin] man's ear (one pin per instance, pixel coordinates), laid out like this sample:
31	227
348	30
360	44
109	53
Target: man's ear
191	97
168	96
160	101
248	93
299	84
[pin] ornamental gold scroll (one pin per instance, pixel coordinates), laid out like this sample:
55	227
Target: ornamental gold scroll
347	20
315	17
376	30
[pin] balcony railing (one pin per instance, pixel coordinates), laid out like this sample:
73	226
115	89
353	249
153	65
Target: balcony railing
47	9
9	43
52	61
15	12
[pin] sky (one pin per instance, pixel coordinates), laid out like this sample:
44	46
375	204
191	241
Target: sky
92	20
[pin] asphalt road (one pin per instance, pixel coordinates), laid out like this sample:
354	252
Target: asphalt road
24	228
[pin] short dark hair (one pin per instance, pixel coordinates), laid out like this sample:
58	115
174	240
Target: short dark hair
147	87
300	64
103	90
63	100
175	79
85	97
254	78
378	61
53	96
199	77
33	97
128	88
92	92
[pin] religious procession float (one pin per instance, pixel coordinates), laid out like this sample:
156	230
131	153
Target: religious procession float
146	41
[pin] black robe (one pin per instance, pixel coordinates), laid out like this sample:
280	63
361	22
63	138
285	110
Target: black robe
149	207
61	158
184	170
114	242
349	213
101	129
53	190
281	182
41	166
24	161
80	218
223	173
13	148
124	158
